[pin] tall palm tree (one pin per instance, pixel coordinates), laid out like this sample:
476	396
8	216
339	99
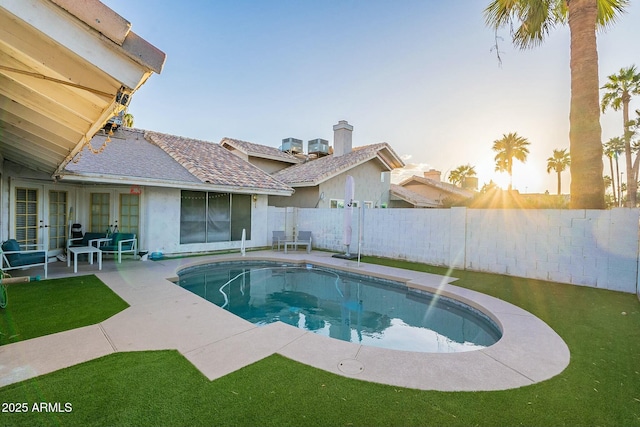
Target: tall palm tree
620	88
510	146
461	173
558	163
612	149
530	22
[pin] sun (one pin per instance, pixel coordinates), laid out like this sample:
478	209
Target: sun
501	179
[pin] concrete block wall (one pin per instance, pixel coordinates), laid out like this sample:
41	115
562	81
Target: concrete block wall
597	248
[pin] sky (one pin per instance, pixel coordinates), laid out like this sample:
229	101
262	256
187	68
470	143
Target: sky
419	75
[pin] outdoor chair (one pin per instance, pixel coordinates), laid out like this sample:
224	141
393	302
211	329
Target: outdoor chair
302	239
79	239
121	243
278	238
14	257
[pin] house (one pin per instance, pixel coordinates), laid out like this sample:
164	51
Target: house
269	159
427	191
319	181
178	194
68	68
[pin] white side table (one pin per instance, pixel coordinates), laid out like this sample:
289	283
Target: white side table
90	250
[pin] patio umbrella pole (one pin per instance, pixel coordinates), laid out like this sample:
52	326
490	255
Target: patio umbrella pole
349	190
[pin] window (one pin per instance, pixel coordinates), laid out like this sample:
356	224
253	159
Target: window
26	216
129	213
339	203
214	217
99	220
57	219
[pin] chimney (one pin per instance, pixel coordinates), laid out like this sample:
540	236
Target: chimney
432	174
342	138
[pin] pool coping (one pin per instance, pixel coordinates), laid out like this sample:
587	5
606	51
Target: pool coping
165	316
529	351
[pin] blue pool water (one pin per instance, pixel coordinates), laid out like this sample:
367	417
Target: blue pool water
345	306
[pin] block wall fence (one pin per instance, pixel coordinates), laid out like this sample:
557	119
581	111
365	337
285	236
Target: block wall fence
597	248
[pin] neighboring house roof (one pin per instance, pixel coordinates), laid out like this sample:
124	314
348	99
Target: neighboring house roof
314	172
136	156
443	186
411	197
261	151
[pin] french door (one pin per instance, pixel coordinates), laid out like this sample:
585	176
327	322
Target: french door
41	216
105	215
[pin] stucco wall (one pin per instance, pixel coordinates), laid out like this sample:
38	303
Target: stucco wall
369	187
304	197
581	247
162	208
267	165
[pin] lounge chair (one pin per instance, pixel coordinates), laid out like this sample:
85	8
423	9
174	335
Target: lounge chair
14	257
121	243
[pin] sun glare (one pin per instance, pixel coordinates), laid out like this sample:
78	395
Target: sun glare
501	179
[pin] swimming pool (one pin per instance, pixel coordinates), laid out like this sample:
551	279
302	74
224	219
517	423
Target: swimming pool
342	305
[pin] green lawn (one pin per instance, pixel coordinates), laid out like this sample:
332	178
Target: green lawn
41	308
601	386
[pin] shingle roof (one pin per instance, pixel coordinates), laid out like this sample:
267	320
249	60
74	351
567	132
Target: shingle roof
157	158
314	172
213	164
262	151
417	200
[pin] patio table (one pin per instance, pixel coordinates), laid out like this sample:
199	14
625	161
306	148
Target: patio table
90	250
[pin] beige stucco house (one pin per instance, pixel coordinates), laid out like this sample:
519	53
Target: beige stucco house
319	180
178	194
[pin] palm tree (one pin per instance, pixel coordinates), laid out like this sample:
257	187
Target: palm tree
612	149
461	173
530	22
620	87
558	163
511	146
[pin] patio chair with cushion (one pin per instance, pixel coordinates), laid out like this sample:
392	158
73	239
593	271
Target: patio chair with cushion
78	239
14	257
121	243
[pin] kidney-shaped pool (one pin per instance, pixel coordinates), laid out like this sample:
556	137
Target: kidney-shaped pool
343	305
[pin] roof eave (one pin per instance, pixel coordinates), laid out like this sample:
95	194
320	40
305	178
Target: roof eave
127	180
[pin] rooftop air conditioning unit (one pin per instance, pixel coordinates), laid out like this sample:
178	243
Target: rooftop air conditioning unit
292	145
318	146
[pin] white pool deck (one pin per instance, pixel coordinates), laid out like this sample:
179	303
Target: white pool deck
165	316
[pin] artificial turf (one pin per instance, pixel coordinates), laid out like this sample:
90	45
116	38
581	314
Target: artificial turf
601	385
41	308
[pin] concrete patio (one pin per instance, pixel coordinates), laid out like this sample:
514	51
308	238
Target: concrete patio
165	316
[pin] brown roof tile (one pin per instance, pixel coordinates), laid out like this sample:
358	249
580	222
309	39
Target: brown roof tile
418	200
444	186
213	164
128	155
262	151
314	172
135	155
